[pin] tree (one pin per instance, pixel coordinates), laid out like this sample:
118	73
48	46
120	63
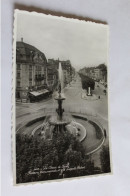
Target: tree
32	153
73	157
103	68
105	160
87	82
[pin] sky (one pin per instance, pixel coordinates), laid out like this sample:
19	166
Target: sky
85	44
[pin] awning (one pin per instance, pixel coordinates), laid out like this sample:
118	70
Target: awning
44	91
38	93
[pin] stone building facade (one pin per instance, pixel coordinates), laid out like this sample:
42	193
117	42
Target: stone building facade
30	69
35	75
52	74
98	73
68	71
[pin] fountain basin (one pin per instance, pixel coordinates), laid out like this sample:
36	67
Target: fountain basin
87	131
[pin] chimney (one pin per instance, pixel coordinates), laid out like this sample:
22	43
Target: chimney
21	39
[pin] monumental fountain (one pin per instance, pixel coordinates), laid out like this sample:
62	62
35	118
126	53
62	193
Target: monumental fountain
59	122
86	130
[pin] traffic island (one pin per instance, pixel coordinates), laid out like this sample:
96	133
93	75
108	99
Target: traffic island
88	97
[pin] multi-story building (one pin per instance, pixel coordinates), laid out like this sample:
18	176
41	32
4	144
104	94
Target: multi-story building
30	69
88	71
52	72
97	74
92	72
67	71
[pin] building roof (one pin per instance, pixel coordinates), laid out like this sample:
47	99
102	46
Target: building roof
26	52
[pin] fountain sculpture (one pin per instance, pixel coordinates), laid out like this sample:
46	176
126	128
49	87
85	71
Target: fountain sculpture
57	123
60	121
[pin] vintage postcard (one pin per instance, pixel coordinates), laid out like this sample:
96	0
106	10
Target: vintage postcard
60	98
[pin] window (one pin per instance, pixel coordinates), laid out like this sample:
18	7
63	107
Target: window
36	67
18	66
18	74
30	74
30	83
18	95
30	67
18	83
40	68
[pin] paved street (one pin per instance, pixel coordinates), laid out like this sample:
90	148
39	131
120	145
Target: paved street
95	109
73	103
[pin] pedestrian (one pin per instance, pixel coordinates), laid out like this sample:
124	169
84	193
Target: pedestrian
98	97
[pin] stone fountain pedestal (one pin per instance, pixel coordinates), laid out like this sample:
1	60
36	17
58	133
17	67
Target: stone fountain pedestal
59	121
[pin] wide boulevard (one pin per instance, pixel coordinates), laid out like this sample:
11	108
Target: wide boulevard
73	103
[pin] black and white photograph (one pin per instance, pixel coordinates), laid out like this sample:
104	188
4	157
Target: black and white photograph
60	98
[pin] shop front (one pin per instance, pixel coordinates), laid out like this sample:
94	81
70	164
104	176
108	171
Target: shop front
39	95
